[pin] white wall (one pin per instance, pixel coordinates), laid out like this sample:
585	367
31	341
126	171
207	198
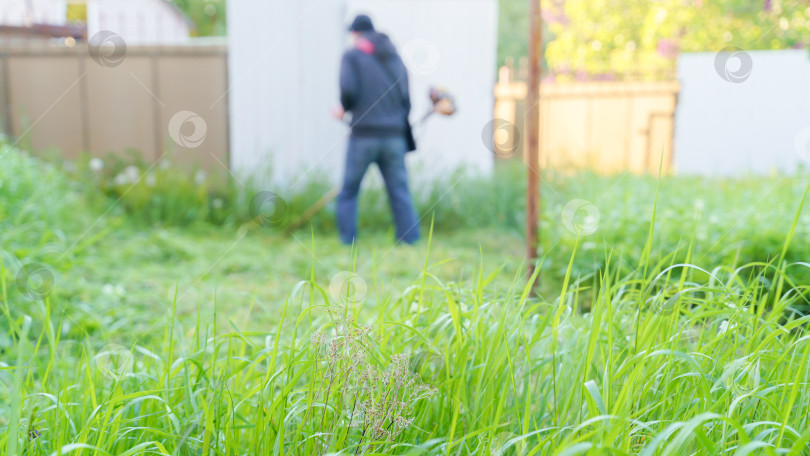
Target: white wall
451	43
284	61
755	125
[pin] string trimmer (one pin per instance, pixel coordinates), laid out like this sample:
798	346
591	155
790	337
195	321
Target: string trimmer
442	103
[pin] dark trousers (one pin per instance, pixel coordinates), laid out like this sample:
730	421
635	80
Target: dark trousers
389	155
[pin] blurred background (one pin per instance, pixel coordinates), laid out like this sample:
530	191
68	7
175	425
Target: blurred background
711	88
176	113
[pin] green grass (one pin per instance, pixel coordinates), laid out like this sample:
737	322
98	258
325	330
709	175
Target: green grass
686	336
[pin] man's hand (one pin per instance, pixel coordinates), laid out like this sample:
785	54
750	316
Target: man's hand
338	112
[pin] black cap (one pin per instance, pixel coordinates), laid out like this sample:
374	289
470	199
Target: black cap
361	23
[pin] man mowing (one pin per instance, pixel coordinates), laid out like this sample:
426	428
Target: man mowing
374	89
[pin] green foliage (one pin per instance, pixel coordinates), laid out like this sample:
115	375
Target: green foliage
702	370
208	15
513	29
721	221
620	38
156	194
164	195
40	208
270	345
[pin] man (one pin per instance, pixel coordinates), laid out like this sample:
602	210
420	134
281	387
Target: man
374	88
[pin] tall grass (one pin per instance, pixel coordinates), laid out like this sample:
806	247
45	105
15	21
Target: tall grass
649	351
727	219
700	367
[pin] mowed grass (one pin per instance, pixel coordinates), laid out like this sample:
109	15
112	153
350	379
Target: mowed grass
683	336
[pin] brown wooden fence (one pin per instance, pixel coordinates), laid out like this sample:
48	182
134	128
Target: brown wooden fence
607	126
61	98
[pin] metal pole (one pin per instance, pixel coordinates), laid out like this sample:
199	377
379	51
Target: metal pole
6	97
533	135
84	101
157	107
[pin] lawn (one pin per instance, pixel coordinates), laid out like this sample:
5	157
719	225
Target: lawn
130	274
131	328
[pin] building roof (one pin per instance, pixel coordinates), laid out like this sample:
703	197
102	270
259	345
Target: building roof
79	32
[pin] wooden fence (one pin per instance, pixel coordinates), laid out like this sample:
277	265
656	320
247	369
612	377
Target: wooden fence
61	98
610	126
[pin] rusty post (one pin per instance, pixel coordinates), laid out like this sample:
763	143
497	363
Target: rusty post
533	135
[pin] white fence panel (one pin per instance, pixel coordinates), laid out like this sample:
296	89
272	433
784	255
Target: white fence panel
283	70
733	125
450	43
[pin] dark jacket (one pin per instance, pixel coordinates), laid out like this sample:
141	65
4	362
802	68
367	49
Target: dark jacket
378	100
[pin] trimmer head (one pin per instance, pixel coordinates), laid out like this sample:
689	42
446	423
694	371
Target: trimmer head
443	101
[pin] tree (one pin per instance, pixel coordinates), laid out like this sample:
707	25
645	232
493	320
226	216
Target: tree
207	15
621	38
513	28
